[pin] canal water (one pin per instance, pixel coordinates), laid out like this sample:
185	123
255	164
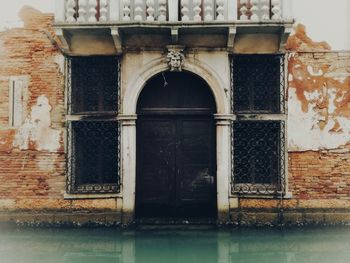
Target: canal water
321	245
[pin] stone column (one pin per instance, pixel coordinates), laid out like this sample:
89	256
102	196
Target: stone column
59	11
128	163
114	10
232	10
223	156
173	10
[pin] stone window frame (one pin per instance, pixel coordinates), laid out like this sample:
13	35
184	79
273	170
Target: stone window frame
260	190
18	100
89	190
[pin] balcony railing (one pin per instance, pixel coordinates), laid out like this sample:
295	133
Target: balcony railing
94	11
259	10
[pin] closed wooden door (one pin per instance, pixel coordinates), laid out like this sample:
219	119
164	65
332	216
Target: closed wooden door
176	161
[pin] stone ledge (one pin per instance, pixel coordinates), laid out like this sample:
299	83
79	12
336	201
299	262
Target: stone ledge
290	218
61	219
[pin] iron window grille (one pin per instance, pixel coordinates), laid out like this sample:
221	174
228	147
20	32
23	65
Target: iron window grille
258	135
93	131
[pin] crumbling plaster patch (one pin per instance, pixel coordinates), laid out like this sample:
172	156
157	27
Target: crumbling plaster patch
304	132
59	60
36	132
319	110
319	95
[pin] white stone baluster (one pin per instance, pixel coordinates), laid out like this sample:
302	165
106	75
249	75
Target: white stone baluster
185	10
126	10
103	10
265	9
138	11
255	10
150	10
220	10
208	10
70	11
92	11
243	9
197	10
276	9
83	10
162	10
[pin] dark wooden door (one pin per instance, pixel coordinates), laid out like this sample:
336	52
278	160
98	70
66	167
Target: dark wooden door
176	160
176	166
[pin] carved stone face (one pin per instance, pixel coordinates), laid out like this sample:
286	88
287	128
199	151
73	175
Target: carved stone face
175	60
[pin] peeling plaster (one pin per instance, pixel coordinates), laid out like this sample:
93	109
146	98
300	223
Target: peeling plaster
299	41
59	60
319	108
45	163
36	132
304	132
311	71
319	96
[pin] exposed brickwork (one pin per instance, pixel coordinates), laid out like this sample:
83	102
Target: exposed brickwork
31	174
320	175
28	52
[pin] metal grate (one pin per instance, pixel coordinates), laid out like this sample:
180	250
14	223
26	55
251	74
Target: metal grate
94	84
256	82
258	136
93	156
258	166
93	132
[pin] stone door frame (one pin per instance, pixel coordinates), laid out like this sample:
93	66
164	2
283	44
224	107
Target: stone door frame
128	118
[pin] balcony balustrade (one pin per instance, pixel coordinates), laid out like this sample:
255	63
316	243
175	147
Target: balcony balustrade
112	11
105	27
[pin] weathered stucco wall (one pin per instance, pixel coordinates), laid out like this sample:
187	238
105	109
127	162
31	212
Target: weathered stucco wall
32	159
318	94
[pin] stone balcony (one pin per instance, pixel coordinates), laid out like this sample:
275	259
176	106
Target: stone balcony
87	27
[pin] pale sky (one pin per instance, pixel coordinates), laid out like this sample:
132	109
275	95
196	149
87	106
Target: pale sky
325	20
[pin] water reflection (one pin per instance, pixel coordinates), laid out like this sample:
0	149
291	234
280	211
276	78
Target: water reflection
174	246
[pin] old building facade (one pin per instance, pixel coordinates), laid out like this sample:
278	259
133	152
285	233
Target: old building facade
117	110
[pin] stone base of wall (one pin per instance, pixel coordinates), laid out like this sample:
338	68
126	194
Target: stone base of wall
244	218
299	217
61	219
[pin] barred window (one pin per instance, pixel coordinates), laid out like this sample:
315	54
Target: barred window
93	129
258	133
94	84
257	84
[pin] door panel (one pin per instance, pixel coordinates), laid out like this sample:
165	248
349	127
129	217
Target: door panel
156	161
176	166
196	169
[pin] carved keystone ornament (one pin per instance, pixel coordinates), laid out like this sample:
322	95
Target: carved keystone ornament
175	58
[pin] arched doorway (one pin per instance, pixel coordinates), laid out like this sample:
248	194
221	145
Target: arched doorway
176	149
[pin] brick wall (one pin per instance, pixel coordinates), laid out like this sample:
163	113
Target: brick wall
320	175
30	174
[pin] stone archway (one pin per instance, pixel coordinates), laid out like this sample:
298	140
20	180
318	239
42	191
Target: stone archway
219	85
176	155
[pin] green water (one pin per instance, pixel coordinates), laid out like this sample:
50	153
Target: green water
180	246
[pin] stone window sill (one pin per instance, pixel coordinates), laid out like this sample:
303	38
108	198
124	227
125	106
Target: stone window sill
287	195
90	196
